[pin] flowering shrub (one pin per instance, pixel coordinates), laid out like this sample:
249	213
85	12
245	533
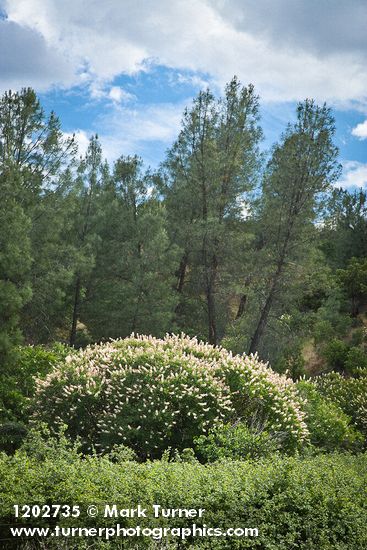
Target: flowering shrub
349	393
149	394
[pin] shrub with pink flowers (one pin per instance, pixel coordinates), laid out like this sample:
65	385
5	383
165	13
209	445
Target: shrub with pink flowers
151	394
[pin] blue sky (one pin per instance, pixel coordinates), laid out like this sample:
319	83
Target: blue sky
126	69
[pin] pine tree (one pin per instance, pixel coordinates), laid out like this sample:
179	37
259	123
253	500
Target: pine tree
344	233
15	262
83	214
301	170
131	284
32	153
209	171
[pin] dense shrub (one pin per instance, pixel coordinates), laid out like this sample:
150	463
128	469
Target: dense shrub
151	394
329	426
345	358
336	353
349	393
356	361
237	442
317	503
17	380
291	363
11	435
17	386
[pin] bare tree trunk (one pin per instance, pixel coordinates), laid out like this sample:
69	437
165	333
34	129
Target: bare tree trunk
75	312
241	306
210	298
263	321
182	272
212	324
261	325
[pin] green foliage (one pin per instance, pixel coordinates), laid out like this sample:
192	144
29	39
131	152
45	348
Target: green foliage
343	235
358	337
208	174
301	168
153	394
291	363
336	353
17	386
356	361
12	435
121	453
350	394
31	141
15	263
40	445
33	152
342	357
314	503
92	176
17	380
131	286
237	442
354	281
46	316
330	428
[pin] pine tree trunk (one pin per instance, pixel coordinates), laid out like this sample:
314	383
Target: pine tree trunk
212	324
182	272
260	329
241	306
75	312
263	321
210	297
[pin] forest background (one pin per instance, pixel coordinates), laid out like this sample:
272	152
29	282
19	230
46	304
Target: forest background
257	253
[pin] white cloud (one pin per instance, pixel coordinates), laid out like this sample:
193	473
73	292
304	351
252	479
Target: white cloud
82	139
118	94
354	175
100	40
127	131
100	90
360	131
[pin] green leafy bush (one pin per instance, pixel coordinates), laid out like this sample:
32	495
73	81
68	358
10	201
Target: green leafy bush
236	441
152	394
17	380
345	358
17	386
350	394
315	503
356	361
291	362
358	337
11	435
332	319
329	426
336	353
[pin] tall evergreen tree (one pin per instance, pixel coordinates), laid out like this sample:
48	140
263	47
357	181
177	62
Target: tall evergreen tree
31	143
301	170
46	317
15	262
91	175
344	233
32	154
131	284
209	170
